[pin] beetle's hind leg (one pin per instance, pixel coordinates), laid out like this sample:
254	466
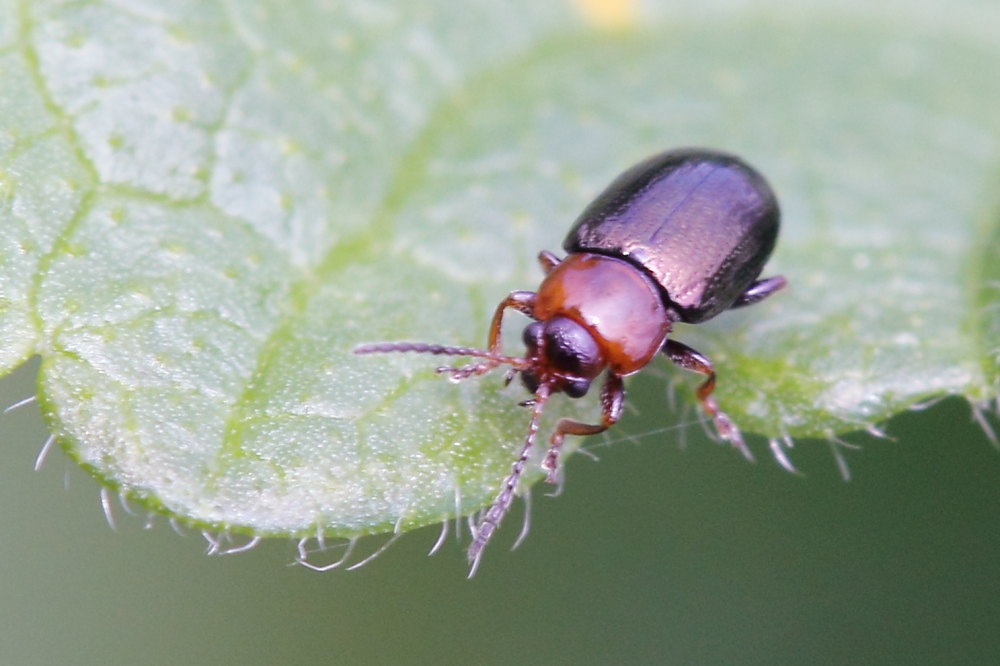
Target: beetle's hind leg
760	290
689	359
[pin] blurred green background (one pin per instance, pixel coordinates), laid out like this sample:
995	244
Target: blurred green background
657	553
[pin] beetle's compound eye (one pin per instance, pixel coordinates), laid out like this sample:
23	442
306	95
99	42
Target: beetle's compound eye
571	349
530	337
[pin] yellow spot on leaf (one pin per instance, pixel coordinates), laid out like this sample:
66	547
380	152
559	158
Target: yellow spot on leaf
611	14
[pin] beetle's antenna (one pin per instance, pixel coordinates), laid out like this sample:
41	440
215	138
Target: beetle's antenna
491	519
439	350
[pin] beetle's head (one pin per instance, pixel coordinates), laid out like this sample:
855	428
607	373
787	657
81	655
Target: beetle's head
563	354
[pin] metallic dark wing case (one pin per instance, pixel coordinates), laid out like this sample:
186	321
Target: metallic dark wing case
702	223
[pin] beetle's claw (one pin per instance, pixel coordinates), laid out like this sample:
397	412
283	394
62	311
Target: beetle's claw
551	466
729	432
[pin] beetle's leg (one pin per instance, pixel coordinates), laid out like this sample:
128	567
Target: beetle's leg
689	359
760	290
522	301
612	399
548	261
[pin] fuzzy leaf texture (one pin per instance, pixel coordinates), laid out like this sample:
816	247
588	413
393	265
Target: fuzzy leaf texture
204	206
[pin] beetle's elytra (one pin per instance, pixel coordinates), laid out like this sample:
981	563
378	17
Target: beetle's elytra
681	236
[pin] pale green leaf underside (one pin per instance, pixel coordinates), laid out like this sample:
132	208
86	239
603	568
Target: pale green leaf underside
205	207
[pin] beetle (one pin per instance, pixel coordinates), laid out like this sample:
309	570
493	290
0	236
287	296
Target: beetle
679	237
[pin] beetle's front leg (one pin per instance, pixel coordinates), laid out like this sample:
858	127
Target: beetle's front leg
612	399
689	359
522	301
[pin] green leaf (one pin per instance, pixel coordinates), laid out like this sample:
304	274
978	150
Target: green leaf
206	206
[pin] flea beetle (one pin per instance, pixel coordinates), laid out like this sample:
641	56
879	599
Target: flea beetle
679	237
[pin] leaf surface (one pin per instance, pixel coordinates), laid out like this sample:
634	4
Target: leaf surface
206	206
